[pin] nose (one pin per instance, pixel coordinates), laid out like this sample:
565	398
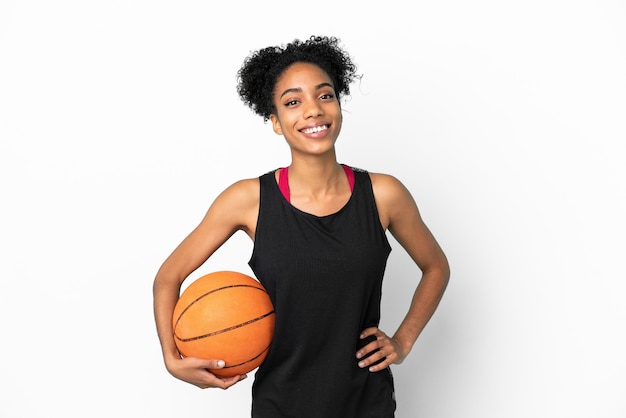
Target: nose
313	109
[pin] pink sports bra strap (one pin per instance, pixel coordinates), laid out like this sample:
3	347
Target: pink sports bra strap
283	180
350	175
283	183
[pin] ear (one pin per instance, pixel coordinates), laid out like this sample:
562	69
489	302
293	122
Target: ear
276	124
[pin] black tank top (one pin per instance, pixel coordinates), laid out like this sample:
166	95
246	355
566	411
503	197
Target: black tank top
324	276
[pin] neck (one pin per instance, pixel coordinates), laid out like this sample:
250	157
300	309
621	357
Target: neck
315	175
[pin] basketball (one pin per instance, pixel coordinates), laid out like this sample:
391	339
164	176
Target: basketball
227	316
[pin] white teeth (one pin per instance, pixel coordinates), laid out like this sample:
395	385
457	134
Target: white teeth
316	129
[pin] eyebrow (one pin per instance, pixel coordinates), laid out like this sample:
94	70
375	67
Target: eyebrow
299	90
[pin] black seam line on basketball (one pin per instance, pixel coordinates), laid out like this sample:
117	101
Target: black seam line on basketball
213	291
248	361
210	334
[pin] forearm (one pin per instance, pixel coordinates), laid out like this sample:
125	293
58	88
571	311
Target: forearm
424	303
165	297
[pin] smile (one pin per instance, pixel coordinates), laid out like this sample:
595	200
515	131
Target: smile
315	129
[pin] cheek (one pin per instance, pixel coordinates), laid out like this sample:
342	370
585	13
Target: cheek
339	118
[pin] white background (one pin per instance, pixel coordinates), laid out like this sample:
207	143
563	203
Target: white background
120	123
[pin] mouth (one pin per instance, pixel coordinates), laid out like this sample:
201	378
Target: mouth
314	129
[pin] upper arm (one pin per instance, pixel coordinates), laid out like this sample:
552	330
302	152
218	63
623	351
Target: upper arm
399	213
236	208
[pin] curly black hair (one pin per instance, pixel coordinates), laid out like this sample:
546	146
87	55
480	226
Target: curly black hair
256	79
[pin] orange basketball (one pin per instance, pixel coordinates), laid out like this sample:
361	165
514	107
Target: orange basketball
227	316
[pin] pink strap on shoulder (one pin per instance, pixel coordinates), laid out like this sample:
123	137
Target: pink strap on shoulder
350	175
283	183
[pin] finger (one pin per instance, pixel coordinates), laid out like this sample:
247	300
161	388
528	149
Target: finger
208	364
380	350
228	382
367	349
379	341
215	364
205	364
371	334
380	366
369	331
371	359
212	381
379	360
370	354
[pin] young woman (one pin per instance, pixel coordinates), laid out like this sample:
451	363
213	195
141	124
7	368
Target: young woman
320	249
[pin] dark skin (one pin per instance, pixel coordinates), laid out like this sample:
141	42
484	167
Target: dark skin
308	116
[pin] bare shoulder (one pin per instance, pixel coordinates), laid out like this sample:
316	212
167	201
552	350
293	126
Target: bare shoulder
244	191
393	199
386	183
237	206
388	189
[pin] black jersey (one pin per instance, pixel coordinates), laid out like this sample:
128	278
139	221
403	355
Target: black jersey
324	276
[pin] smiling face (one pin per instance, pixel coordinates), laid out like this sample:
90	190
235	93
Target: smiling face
308	113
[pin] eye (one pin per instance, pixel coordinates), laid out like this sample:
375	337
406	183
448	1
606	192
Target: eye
291	103
327	96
